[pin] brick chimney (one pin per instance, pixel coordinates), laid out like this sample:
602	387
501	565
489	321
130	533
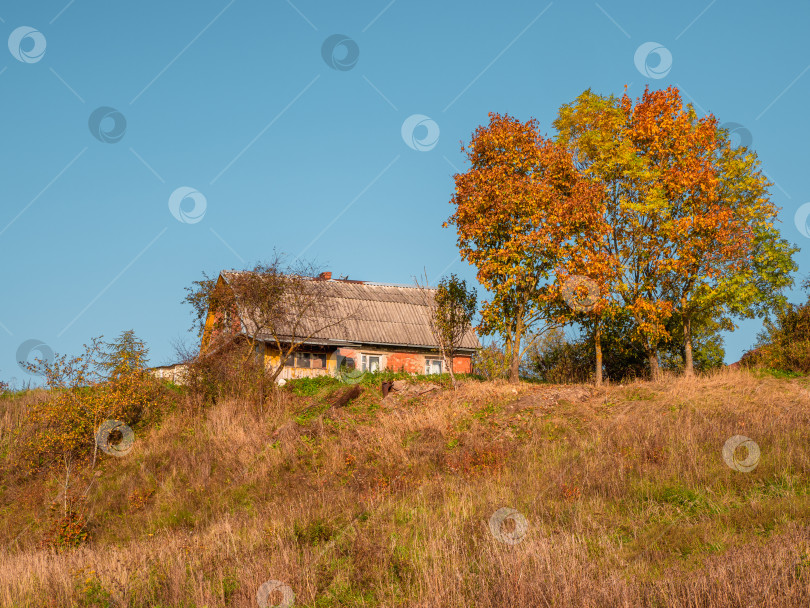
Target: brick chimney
325	276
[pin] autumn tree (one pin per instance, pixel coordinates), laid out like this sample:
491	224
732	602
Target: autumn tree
723	234
276	304
691	223
518	207
732	261
707	351
586	299
451	308
598	131
107	381
569	357
784	342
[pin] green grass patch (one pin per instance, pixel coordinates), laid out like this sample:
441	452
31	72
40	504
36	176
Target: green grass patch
686	500
781	374
309	387
487	411
639	393
314	532
179	517
311	412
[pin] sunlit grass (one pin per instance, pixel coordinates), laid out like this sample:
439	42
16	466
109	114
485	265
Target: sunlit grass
352	501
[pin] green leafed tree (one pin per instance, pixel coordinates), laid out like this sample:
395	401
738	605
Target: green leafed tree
127	354
451	314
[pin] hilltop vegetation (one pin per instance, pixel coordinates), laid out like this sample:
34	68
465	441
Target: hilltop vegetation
639	219
352	500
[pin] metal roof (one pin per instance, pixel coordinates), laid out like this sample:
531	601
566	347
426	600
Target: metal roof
376	313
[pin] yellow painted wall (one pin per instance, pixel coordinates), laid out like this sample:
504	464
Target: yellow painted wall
272	360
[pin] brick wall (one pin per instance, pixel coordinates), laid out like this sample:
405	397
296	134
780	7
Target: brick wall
410	362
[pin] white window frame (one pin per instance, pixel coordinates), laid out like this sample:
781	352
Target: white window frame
429	367
365	362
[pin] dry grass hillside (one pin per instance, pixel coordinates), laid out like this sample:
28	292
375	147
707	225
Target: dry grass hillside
350	500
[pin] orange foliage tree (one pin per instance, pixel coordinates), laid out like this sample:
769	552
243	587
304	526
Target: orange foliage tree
519	209
599	131
691	225
729	258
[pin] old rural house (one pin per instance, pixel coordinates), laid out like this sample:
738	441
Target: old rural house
385	327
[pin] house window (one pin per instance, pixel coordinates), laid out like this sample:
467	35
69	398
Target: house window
317	361
433	366
346	363
307	360
370	363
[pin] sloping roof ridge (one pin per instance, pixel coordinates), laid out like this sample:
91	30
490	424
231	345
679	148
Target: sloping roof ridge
378	284
348	281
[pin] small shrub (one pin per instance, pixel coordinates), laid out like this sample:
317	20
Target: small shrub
92	593
784	344
490	362
68	529
233	371
314	532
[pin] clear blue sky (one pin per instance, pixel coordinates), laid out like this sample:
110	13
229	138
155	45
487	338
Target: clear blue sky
236	101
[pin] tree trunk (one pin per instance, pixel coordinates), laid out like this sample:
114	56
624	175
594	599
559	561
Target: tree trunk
448	362
68	460
514	366
688	363
598	347
655	371
514	369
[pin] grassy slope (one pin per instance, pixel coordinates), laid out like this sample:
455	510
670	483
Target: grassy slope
627	498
